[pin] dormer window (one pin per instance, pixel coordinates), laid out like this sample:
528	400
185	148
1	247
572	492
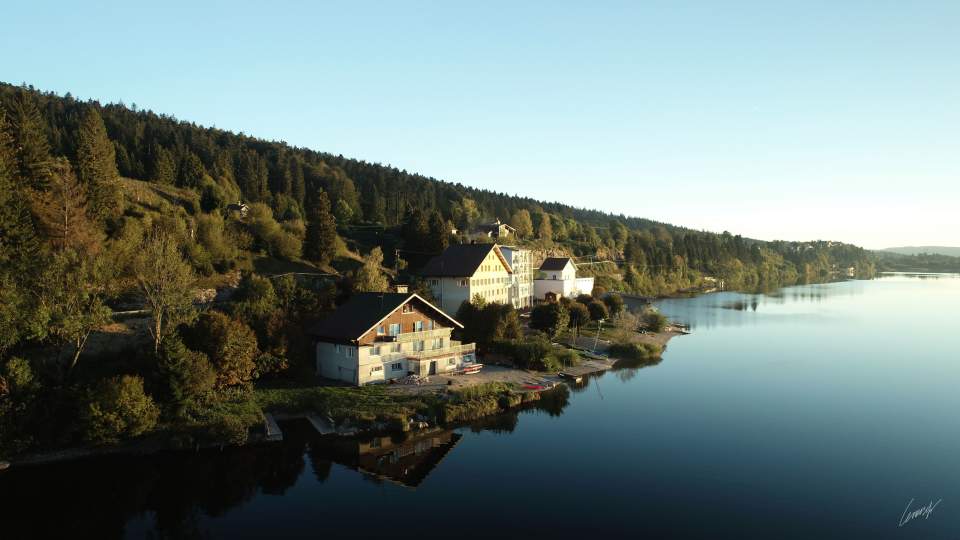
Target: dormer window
407	308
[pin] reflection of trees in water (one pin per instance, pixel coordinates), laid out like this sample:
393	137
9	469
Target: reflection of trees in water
628	369
95	498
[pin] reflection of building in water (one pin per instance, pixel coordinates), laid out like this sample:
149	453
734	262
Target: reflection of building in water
407	462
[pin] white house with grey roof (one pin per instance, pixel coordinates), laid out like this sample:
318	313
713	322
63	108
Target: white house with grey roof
558	275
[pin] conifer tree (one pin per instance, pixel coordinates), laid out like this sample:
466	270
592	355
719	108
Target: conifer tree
30	140
18	240
164	170
62	212
192	171
439	236
415	231
321	238
97	166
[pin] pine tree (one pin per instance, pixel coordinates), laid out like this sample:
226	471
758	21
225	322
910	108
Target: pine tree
439	236
62	212
18	240
97	166
33	149
192	171
321	238
164	170
415	231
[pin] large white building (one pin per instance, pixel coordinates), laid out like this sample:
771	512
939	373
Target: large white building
464	271
375	337
521	286
558	275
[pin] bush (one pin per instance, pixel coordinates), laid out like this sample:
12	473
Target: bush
230	344
119	409
655	321
635	351
536	353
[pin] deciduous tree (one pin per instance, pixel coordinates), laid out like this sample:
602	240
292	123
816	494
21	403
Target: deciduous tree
166	281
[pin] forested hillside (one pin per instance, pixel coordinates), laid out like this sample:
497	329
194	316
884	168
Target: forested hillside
119	229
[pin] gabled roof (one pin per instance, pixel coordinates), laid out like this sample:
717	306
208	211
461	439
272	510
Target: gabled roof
462	260
363	312
556	263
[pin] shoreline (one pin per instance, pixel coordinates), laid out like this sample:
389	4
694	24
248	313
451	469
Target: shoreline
489	406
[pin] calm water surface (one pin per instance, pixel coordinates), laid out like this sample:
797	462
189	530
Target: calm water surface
817	412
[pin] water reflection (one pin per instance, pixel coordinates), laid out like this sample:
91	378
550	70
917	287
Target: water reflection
738	309
97	497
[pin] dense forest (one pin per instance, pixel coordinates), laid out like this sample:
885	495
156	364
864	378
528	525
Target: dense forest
121	228
919	262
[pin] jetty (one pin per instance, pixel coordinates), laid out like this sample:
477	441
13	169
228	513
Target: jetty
272	428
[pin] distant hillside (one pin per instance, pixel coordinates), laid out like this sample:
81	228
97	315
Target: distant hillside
933	250
375	206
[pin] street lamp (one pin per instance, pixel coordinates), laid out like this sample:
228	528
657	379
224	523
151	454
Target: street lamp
597	339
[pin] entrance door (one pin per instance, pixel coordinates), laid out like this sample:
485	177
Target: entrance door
433	367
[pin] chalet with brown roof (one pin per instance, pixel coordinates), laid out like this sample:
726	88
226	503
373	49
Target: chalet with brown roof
375	337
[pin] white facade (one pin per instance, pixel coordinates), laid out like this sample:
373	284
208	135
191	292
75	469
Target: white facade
563	282
491	281
521	284
430	352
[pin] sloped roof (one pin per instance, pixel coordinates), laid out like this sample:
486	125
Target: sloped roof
461	260
555	263
364	311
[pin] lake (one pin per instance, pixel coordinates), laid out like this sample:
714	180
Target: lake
819	411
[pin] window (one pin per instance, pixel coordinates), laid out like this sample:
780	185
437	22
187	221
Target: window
337	348
438	343
394	329
394	347
381	330
418	326
396	366
464	282
451	361
430	324
375	350
418	346
376	368
351	352
407	308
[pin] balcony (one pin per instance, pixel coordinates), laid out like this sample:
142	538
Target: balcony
469	348
405	337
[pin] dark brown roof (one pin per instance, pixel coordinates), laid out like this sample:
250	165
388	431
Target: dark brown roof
460	260
555	263
362	312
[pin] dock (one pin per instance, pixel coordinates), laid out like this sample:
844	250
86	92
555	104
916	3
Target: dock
272	428
322	426
587	367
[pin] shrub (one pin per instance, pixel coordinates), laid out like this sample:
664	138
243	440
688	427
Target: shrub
635	351
119	409
655	321
230	344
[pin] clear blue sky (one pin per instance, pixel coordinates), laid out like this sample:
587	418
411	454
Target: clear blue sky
794	120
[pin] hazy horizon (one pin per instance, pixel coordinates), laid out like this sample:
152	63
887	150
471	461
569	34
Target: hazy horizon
821	121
